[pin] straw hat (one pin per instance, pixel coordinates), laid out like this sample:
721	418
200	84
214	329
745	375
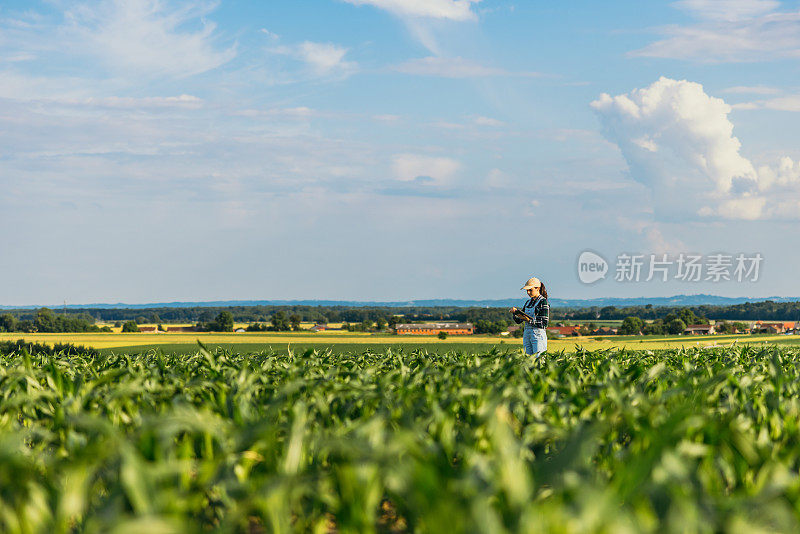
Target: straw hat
533	282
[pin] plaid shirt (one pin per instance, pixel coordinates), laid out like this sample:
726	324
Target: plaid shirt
541	312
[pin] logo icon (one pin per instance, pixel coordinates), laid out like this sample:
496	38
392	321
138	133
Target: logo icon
591	267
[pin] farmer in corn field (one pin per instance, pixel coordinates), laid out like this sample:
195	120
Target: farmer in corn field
534	335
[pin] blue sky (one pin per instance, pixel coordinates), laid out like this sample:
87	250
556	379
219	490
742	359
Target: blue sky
392	149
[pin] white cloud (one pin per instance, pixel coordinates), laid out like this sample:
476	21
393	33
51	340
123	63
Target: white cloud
498	179
786	174
146	37
131	39
271	35
448	125
426	19
782	103
80	92
421	168
675	119
181	101
752	90
679	143
456	67
18	57
387	117
322	58
488	121
730	31
728	9
19	86
652	232
748	209
437	9
659	244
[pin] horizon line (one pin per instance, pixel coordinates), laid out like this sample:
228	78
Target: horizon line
368	302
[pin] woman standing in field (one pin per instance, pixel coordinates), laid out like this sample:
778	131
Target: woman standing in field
534	335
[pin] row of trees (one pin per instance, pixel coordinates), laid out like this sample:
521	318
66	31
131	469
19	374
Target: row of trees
387	316
674	323
223	322
372	318
45	320
767	310
279	322
725	327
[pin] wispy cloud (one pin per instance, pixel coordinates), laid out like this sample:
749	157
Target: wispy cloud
388	118
498	179
473	124
729	31
456	67
300	112
147	37
323	59
730	10
437	9
489	121
425	169
121	38
270	34
23	86
782	103
752	90
426	20
181	101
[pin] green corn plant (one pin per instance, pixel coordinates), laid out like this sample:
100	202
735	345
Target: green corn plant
612	440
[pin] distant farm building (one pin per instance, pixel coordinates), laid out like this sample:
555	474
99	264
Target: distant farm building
699	329
564	331
319	327
732	329
605	331
762	327
432	329
176	329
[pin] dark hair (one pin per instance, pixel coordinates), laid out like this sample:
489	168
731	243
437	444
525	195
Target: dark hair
542	290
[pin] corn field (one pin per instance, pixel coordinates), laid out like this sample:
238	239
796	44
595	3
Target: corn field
689	440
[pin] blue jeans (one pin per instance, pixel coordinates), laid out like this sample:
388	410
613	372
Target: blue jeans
534	340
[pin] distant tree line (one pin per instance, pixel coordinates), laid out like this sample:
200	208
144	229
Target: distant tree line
264	314
767	310
45	320
223	322
672	323
374	318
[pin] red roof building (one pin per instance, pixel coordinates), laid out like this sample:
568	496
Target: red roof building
773	327
605	331
699	329
564	330
432	329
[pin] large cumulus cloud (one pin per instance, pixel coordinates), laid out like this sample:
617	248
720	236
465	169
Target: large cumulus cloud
679	143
